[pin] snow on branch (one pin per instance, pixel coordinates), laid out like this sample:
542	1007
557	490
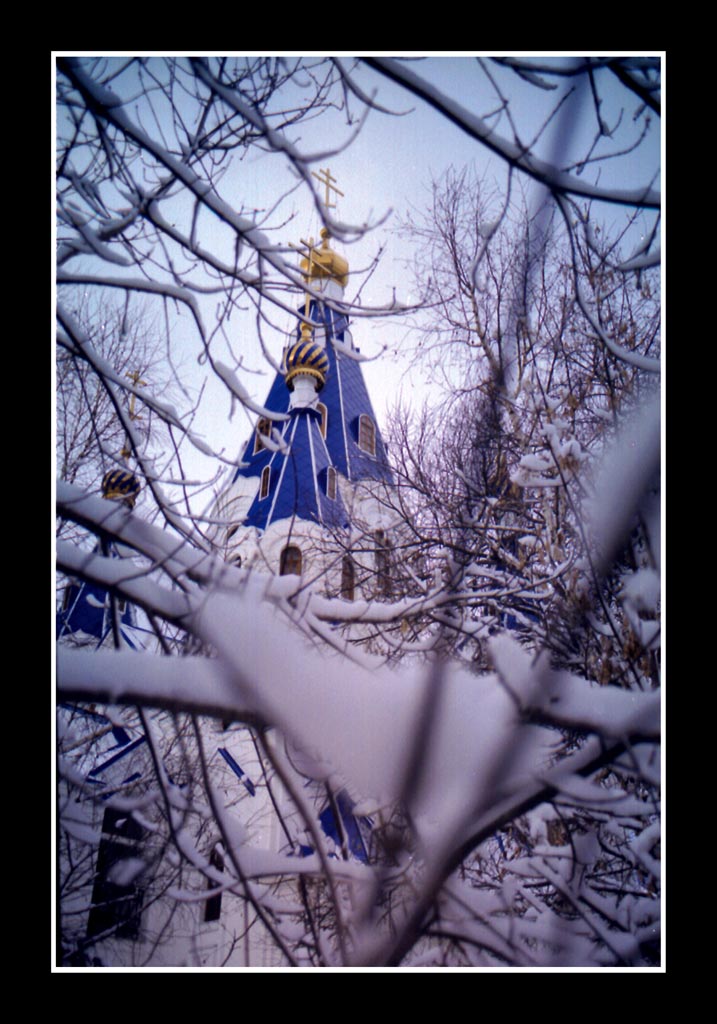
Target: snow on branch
161	547
568	700
367	724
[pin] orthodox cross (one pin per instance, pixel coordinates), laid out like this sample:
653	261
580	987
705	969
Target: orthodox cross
327	180
138	382
311	250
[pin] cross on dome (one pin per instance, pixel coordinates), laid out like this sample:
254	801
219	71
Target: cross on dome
327	181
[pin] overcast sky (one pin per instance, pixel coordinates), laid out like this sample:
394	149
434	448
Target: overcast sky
389	166
383	171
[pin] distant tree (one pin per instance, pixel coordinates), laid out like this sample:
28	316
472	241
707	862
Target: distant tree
89	434
494	477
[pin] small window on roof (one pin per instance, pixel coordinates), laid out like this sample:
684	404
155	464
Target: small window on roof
331	483
367	434
265	480
324	418
263	429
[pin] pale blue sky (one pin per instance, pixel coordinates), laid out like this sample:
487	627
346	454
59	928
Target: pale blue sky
388	166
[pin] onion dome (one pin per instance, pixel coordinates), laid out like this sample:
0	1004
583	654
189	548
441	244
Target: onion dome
324	262
121	485
308	358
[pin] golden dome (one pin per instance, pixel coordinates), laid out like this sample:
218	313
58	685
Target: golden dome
325	262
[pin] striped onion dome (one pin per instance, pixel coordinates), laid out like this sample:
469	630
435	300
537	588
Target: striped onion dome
308	358
121	484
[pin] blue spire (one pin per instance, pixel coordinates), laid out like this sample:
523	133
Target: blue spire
298	482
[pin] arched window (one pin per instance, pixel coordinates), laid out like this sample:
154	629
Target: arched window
265	479
69	595
116	904
331	483
383	563
348	578
290	561
213	906
263	429
324	418
367	434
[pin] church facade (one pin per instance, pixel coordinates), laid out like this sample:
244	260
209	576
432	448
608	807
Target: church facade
310	497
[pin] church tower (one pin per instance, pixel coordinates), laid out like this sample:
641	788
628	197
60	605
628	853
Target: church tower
309	496
88	616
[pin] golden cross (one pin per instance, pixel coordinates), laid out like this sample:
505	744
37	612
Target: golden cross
327	180
137	381
311	249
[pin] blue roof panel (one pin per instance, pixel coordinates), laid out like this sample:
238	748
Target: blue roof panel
298	482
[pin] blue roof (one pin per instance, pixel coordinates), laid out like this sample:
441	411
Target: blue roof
351	825
347	397
86	609
298	480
